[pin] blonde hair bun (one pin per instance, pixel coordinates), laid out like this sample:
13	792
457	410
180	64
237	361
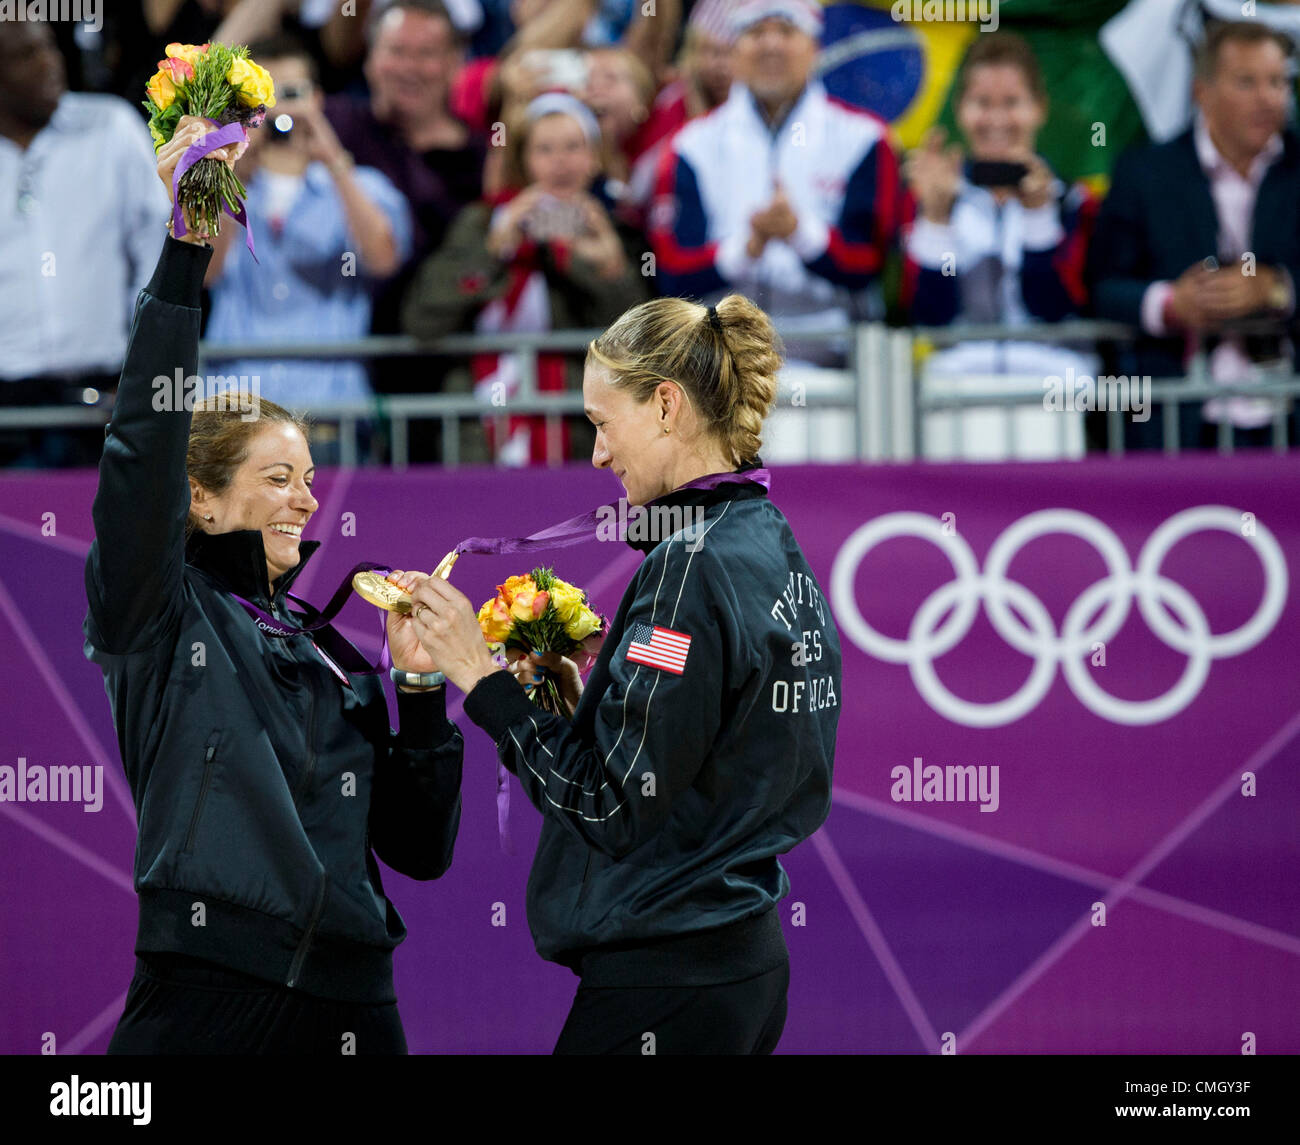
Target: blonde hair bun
726	362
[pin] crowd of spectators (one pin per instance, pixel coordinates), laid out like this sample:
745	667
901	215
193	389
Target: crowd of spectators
436	166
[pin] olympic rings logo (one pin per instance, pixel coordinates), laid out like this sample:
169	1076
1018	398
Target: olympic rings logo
928	639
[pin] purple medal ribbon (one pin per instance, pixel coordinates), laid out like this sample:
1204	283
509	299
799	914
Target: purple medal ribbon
231	133
328	642
503	809
566	533
580	528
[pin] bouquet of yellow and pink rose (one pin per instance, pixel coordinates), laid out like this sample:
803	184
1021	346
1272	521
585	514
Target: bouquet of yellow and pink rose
539	612
219	83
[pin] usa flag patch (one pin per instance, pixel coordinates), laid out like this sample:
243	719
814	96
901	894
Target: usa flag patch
659	648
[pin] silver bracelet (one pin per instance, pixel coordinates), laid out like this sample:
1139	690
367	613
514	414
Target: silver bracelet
416	679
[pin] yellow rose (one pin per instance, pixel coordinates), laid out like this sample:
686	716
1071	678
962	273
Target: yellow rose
583	625
253	81
495	621
567	600
161	90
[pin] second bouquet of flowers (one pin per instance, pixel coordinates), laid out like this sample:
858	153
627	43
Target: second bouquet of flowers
539	612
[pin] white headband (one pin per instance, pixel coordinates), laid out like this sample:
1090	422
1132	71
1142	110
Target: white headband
562	103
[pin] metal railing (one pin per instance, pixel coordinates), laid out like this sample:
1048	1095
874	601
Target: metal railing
1167	392
885	393
399	410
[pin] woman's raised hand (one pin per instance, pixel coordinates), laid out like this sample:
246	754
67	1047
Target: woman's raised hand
190	129
507	231
599	243
1035	188
933	171
449	631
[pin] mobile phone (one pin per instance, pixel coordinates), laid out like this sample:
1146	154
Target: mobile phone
988	173
553	218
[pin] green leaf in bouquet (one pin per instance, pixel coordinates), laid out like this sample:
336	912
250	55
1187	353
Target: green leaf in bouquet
546	634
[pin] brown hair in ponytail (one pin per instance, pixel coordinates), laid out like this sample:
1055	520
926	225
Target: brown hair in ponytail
728	370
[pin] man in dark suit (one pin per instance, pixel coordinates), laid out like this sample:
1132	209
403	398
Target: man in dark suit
1204	231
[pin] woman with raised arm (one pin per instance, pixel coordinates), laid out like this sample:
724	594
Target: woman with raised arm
702	745
265	775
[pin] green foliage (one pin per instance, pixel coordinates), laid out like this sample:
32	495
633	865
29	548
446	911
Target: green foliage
209	93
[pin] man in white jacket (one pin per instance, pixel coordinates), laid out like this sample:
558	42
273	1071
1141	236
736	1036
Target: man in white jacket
783	193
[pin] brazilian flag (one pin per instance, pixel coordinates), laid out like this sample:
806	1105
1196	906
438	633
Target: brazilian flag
903	71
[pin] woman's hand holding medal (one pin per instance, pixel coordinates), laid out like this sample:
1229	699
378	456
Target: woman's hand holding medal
448	629
408	654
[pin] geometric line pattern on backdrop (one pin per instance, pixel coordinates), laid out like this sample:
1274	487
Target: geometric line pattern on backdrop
1122	888
1063	868
115	783
1115	891
1127	887
875	938
106	1018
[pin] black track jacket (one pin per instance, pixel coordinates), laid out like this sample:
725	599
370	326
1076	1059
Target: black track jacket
255	833
668	798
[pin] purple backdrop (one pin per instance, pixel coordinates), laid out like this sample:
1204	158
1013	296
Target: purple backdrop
920	919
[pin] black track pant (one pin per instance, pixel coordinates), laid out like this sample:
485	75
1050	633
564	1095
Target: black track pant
179	1005
733	1018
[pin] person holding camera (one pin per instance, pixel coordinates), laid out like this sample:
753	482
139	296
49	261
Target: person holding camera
544	254
327	233
992	236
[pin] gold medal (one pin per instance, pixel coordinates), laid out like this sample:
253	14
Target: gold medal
383	593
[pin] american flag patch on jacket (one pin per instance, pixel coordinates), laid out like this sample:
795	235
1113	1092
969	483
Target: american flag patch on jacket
659	647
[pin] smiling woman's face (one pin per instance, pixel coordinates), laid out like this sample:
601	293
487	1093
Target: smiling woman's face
998	113
270	492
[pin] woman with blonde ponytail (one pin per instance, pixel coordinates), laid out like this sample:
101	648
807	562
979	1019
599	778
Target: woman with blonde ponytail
702	745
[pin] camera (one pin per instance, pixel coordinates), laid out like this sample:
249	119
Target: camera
280	127
987	173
